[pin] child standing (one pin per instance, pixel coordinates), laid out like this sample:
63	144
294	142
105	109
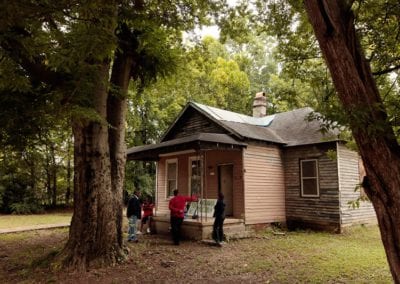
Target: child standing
219	215
148	208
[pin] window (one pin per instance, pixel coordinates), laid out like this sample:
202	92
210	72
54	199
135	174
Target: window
195	173
309	178
172	176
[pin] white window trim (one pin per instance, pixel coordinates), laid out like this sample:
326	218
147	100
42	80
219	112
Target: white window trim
170	161
303	178
191	159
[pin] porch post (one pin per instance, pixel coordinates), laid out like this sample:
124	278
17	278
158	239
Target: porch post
201	165
204	167
156	190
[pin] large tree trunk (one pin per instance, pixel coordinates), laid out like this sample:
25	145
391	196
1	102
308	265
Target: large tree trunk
94	236
116	117
333	24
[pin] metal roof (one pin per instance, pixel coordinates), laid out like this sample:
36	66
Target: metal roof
292	128
221	114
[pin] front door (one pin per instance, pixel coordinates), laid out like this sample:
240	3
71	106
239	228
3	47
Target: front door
225	185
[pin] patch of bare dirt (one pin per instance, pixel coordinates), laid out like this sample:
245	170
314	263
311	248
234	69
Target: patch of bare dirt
24	259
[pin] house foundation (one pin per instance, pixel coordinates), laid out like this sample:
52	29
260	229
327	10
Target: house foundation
194	229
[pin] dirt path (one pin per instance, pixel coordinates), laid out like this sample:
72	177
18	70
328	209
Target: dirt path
34	228
153	259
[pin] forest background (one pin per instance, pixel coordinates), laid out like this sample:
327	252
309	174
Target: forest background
106	71
36	154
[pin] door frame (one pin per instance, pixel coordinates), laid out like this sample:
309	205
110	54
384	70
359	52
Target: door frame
219	183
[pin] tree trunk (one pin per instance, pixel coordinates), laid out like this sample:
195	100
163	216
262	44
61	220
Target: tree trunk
94	235
69	170
333	24
53	175
116	117
48	177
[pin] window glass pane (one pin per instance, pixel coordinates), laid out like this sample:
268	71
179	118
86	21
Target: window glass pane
171	171
310	187
309	168
195	177
196	168
171	187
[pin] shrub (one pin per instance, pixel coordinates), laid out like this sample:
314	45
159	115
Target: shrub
25	208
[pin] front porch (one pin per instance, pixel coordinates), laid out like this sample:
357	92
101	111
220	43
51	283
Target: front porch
194	229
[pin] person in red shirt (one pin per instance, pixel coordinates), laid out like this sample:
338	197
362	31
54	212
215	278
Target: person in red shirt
177	207
147	208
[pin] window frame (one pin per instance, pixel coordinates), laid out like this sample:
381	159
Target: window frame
190	160
168	162
309	178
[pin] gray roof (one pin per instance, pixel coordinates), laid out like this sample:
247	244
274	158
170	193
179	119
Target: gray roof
254	132
295	128
291	128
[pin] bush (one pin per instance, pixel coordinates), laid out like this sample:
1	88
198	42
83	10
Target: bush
20	208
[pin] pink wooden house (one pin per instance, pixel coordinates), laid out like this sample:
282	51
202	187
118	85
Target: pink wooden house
271	168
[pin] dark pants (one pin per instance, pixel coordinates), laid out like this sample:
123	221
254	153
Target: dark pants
176	224
218	229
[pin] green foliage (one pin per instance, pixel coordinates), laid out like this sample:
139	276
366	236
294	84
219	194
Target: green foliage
332	154
26	207
302	64
27	176
140	176
53	60
354	204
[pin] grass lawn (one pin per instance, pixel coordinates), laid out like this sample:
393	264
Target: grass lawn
14	221
356	256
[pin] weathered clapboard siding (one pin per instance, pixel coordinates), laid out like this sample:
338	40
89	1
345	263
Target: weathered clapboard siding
161	205
162	198
212	159
191	123
264	185
313	211
349	177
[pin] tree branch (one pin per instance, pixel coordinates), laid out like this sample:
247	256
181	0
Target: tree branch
386	71
34	66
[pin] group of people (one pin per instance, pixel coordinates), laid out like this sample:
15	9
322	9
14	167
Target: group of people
134	213
177	206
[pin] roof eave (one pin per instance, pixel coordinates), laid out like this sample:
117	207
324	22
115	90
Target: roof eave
287	145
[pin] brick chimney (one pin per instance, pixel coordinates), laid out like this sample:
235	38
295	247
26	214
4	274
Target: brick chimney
260	105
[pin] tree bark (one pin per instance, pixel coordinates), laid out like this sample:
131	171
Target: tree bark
53	175
69	170
48	177
333	24
116	117
94	237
